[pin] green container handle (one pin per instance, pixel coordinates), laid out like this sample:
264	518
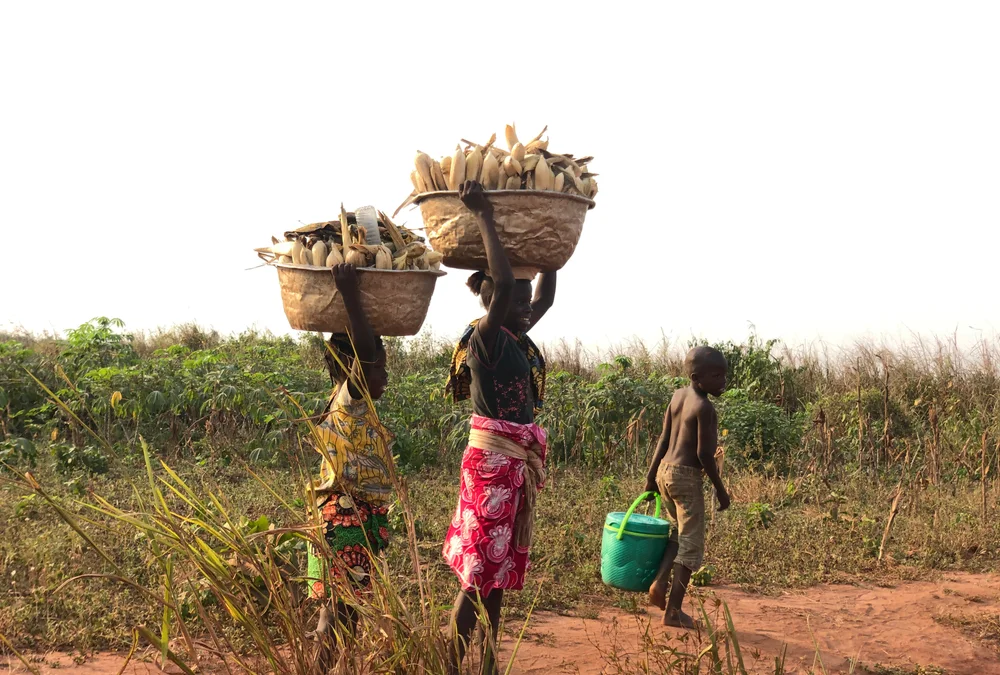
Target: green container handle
635	505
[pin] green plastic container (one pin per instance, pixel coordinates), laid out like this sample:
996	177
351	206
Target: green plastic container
633	546
314	571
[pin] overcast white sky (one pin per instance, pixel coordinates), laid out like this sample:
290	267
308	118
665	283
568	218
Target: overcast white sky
822	170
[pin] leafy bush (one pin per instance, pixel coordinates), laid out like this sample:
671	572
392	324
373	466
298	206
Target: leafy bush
69	458
757	432
18	452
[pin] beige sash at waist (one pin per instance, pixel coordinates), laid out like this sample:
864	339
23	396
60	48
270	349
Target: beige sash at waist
533	477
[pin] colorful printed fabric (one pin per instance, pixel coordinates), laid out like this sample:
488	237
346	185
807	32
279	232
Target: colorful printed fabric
480	546
356	531
358	455
460	377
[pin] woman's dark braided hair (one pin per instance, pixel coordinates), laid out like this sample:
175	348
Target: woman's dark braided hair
481	284
340	344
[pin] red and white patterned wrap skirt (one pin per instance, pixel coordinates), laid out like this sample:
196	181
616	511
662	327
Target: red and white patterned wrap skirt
480	546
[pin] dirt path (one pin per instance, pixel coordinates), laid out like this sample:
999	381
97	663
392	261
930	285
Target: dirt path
888	626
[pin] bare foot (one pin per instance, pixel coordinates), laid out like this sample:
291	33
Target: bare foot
678	619
658	595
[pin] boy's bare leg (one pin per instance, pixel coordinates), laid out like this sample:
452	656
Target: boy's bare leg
673	616
661	584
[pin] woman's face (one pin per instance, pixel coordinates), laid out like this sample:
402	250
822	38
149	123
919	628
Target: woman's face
518	319
378	378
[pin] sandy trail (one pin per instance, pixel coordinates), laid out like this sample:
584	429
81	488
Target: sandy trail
888	626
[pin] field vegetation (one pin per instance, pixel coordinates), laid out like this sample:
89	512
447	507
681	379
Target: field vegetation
170	468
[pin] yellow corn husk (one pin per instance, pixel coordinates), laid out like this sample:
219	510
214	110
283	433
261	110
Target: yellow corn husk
283	248
513	183
356	255
437	173
501	175
473	164
284	259
345	230
530	162
559	182
421	263
319	253
535	146
511	135
585	187
334	257
423	163
399	263
529	180
518	152
296	252
544	180
511	166
580	187
488	176
593	188
446	166
457	175
434	259
418	182
540	134
307	258
397	238
383	258
415	250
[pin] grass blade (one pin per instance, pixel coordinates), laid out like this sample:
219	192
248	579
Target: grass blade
734	639
165	649
6	643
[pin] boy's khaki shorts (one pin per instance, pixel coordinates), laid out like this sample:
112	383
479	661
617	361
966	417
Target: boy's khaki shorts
684	500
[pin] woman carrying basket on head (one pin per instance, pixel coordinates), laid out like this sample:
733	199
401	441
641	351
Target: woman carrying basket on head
502	371
355	486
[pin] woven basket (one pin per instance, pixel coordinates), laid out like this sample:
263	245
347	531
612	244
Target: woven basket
395	302
539	229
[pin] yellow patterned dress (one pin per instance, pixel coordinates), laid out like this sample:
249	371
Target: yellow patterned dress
354	489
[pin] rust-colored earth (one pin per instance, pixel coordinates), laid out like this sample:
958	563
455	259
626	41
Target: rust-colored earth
894	627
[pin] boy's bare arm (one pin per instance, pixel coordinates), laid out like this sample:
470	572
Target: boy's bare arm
661	449
708	441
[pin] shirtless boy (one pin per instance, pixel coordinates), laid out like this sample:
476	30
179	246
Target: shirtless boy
686	451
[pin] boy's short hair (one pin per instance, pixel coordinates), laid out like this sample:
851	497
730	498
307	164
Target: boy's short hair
341	346
702	357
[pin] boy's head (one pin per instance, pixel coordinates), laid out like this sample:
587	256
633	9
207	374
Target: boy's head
707	368
339	367
518	318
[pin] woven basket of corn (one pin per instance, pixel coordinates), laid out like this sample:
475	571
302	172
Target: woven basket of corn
396	273
538	229
395	301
